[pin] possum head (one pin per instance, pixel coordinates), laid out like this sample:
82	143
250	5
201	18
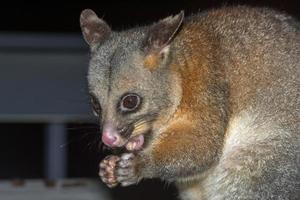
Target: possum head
129	77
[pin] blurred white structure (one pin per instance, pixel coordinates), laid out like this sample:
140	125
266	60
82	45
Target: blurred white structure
74	189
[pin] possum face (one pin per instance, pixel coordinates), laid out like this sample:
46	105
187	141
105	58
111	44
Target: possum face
130	80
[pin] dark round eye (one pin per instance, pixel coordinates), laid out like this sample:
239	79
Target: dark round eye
95	105
129	102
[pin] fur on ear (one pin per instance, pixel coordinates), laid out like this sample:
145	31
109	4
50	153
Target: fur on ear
158	38
94	29
161	33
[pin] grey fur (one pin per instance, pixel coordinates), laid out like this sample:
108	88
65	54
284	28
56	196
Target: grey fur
120	57
259	51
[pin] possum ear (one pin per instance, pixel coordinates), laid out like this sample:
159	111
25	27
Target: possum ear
161	33
94	30
158	38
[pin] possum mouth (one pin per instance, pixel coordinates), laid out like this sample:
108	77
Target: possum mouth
135	143
140	129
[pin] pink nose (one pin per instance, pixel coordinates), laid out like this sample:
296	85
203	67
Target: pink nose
109	139
110	136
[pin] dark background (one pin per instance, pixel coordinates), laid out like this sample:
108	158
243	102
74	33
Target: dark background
21	145
47	16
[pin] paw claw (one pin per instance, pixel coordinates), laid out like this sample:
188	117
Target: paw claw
127	156
115	170
124	184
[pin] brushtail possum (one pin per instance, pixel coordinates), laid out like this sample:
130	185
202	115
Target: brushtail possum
209	102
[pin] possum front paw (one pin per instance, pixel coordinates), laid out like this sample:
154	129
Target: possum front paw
116	170
107	170
125	172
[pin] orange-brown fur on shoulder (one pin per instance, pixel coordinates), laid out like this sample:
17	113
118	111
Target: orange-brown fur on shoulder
198	126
